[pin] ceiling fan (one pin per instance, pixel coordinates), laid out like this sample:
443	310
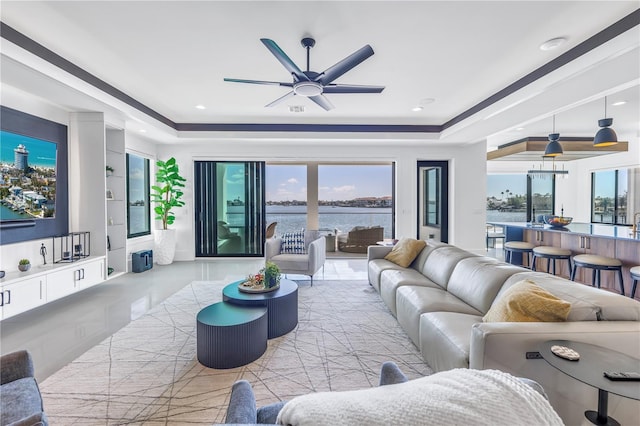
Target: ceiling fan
311	84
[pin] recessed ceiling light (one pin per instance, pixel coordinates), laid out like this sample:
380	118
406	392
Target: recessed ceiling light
143	131
553	43
201	107
416	108
519	129
619	103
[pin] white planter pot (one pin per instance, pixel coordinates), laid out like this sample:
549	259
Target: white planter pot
165	246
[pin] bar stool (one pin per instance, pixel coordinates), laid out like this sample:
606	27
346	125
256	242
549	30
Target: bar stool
635	275
511	247
597	263
551	254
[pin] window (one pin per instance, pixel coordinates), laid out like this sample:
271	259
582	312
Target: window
138	211
431	198
286	196
507	198
609	191
351	195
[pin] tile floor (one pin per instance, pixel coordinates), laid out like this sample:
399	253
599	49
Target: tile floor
61	331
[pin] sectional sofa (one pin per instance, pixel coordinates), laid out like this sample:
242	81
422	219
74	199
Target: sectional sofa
440	300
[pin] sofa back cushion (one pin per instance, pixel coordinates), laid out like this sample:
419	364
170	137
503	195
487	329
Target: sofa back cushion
587	303
477	280
440	263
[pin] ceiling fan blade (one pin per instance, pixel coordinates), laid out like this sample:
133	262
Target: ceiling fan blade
284	60
351	88
322	101
344	65
272	83
280	99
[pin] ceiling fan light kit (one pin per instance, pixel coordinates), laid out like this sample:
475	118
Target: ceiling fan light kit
313	85
606	136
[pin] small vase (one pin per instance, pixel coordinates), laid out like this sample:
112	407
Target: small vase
24	268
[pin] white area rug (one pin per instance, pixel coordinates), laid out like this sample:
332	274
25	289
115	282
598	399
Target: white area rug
148	374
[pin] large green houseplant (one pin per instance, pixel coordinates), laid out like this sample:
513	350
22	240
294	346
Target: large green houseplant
166	194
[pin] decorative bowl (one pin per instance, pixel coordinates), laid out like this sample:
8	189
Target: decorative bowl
557	221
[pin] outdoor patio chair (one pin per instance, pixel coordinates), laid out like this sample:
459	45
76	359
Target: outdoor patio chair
359	238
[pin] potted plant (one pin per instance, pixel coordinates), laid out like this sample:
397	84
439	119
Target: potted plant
109	170
166	195
24	265
271	275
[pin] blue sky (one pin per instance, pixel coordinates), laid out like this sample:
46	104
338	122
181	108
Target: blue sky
496	184
289	182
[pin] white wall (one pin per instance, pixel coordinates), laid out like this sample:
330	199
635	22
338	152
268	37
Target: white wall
467	178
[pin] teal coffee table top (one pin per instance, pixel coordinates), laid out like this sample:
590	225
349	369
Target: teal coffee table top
225	314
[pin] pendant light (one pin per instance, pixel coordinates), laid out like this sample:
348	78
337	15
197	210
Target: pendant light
605	136
553	148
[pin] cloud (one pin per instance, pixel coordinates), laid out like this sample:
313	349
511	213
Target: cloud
292	180
344	188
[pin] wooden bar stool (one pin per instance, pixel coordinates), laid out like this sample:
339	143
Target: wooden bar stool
511	247
551	254
597	263
635	275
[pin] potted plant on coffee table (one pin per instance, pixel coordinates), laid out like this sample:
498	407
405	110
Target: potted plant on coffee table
271	275
166	195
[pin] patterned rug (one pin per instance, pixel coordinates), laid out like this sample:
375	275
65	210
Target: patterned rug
147	373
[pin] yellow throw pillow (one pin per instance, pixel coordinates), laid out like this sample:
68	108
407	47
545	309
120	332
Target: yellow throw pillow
525	301
405	251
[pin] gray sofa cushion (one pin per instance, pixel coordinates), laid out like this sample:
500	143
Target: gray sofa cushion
391	279
375	269
440	263
477	280
21	404
445	339
587	303
413	301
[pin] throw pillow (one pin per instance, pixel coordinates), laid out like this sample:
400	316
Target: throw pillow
405	251
293	242
527	302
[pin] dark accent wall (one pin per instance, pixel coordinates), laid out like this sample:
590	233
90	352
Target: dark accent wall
14	231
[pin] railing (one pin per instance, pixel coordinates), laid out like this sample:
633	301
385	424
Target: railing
341	222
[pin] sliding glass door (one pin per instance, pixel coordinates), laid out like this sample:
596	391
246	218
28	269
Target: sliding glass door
229	208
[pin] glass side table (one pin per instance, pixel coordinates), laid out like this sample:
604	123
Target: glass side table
589	369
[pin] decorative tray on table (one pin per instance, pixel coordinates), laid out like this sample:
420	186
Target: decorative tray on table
249	287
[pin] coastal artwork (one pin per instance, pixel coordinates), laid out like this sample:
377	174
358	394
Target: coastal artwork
27	177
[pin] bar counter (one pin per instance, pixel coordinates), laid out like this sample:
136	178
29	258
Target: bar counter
588	229
613	241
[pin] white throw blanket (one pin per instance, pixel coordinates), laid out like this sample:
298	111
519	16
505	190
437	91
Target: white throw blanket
456	397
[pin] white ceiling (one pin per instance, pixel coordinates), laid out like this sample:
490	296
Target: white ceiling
173	55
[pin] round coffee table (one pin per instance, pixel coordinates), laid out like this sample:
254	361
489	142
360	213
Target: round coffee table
589	369
281	304
230	336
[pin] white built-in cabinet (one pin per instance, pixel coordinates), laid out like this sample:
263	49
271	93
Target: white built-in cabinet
92	145
21	291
